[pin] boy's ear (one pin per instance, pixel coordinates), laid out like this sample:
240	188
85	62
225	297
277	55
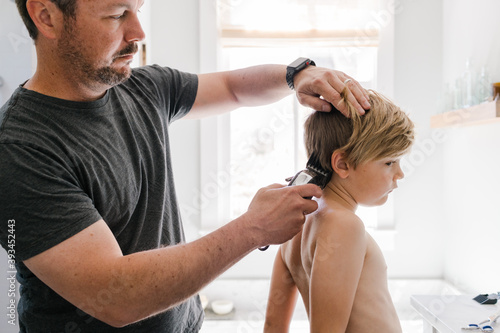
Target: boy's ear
339	164
47	17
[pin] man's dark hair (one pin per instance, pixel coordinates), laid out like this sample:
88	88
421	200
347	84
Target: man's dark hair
67	7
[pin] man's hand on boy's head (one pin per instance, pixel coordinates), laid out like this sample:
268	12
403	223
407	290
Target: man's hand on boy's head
319	88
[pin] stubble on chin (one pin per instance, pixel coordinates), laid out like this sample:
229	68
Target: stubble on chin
89	73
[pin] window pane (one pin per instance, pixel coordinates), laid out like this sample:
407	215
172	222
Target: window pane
293	15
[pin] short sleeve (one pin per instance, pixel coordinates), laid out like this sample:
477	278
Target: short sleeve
174	91
41	194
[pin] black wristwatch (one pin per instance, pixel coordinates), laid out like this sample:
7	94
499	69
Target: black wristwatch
296	67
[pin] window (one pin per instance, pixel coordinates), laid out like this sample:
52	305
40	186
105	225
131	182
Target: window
264	145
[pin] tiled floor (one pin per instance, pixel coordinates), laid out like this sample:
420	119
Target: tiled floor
249	297
211	326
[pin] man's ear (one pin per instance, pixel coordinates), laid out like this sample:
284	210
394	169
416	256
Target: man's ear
339	164
47	17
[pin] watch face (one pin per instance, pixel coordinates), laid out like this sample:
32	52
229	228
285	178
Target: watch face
298	62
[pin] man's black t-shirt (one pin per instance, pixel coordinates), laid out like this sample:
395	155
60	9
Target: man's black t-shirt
65	165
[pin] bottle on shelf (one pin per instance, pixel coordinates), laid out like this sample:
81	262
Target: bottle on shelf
483	86
467	85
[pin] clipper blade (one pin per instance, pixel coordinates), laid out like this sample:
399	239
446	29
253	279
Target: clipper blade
321	176
313	174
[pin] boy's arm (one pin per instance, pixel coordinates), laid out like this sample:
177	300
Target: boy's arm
282	298
337	264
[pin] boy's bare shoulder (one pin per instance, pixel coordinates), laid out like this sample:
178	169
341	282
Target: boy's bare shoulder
336	219
333	225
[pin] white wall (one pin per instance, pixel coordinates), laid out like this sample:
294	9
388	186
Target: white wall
174	42
418	201
472	157
16	53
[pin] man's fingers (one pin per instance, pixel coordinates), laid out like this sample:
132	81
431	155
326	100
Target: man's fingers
278	211
316	103
342	105
319	86
357	95
330	96
275	186
313	207
308	190
320	104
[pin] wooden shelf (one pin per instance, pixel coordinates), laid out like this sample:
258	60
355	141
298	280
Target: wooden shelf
484	113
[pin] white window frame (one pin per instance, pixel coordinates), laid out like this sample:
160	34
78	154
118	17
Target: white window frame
214	132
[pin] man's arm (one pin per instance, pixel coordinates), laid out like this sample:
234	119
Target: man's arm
282	298
315	87
90	271
337	264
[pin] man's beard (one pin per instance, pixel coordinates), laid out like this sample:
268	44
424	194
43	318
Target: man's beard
91	74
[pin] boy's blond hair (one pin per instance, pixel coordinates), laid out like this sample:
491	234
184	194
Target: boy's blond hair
384	131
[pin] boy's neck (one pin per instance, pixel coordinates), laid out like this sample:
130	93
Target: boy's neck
338	195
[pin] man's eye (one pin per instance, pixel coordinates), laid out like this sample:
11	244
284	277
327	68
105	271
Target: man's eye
117	17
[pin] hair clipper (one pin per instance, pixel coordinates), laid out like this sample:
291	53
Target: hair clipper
312	174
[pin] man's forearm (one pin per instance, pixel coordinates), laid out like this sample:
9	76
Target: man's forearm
225	91
259	85
146	283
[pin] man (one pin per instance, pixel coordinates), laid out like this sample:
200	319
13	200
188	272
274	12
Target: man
86	177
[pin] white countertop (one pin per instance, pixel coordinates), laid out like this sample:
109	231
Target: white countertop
449	313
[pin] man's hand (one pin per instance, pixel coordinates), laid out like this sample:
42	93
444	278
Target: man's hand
277	212
319	88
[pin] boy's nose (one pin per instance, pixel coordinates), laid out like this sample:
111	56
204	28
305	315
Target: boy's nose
399	173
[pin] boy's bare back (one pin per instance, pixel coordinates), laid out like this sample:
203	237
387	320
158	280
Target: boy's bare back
340	272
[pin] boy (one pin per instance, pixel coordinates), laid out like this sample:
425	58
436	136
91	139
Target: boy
334	263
